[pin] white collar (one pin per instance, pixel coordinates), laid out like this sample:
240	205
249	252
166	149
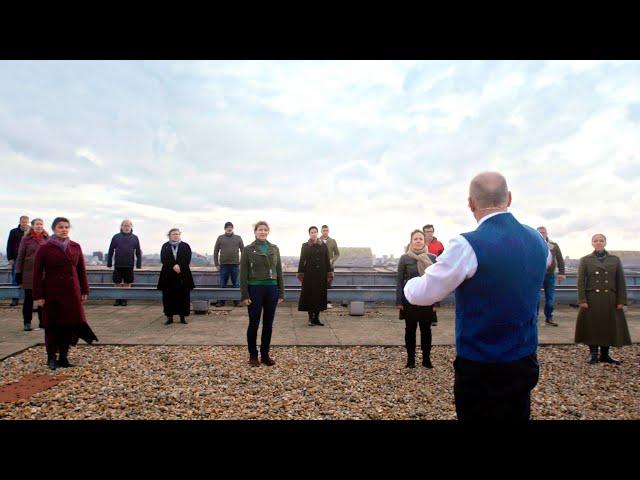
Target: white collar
489	216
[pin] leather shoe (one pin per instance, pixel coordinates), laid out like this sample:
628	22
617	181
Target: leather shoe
426	362
267	360
169	321
183	320
27	327
608	359
411	363
117	303
63	362
51	362
550	322
254	362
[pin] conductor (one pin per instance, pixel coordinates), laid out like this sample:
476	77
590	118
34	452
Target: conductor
497	272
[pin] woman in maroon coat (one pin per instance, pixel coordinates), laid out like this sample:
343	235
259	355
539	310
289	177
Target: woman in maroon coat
29	245
60	286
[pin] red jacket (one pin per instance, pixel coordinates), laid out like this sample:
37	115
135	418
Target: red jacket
60	278
435	247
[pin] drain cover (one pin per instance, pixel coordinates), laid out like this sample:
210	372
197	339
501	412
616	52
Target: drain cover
27	386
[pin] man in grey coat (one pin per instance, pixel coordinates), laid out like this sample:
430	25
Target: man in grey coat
228	247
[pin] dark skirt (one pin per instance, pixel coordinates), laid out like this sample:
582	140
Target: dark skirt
417	313
176	300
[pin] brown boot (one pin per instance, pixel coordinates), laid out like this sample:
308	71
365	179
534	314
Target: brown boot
254	362
267	360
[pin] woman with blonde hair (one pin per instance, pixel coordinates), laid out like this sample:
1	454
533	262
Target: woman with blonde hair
261	289
413	264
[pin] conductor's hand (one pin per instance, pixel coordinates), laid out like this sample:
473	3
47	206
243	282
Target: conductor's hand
84	297
246	302
583	305
176	268
399	307
619	306
300	278
434	308
561	277
40	302
280	300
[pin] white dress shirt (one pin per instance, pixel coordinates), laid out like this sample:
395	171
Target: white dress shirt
456	264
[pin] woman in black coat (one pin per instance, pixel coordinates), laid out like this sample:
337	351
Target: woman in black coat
413	264
176	281
315	273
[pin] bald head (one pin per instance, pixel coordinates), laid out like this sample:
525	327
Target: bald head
488	190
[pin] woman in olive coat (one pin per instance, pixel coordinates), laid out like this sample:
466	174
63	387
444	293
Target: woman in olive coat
602	295
315	273
176	281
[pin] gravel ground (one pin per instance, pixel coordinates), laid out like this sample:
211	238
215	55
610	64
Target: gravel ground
212	382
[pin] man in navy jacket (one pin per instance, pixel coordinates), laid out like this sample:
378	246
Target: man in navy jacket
13	243
497	271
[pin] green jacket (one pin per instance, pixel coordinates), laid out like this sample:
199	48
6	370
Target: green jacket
332	246
601	285
254	265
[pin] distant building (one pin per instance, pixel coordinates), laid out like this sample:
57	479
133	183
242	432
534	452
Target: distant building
99	256
360	257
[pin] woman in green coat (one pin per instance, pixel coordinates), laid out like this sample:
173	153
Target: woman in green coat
602	294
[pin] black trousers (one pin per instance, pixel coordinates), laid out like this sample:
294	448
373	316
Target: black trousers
415	316
27	307
494	391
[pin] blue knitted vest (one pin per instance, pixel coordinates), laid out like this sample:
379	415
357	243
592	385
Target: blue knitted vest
496	320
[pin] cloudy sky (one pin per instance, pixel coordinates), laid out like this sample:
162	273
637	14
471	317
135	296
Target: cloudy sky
374	149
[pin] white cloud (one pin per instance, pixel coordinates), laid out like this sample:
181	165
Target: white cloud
374	149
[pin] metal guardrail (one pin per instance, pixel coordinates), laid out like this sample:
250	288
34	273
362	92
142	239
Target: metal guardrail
208	278
563	295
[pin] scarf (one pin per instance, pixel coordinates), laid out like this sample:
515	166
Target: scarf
600	255
61	244
38	236
174	248
421	257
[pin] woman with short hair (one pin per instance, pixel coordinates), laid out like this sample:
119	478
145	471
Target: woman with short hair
602	294
176	281
31	241
315	273
413	264
60	286
261	290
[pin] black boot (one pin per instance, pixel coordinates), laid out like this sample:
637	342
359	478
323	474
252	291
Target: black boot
51	361
605	358
311	319
117	303
183	320
411	361
27	326
593	349
316	319
14	302
123	303
426	358
169	320
63	361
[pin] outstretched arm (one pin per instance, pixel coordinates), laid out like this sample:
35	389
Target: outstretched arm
453	267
